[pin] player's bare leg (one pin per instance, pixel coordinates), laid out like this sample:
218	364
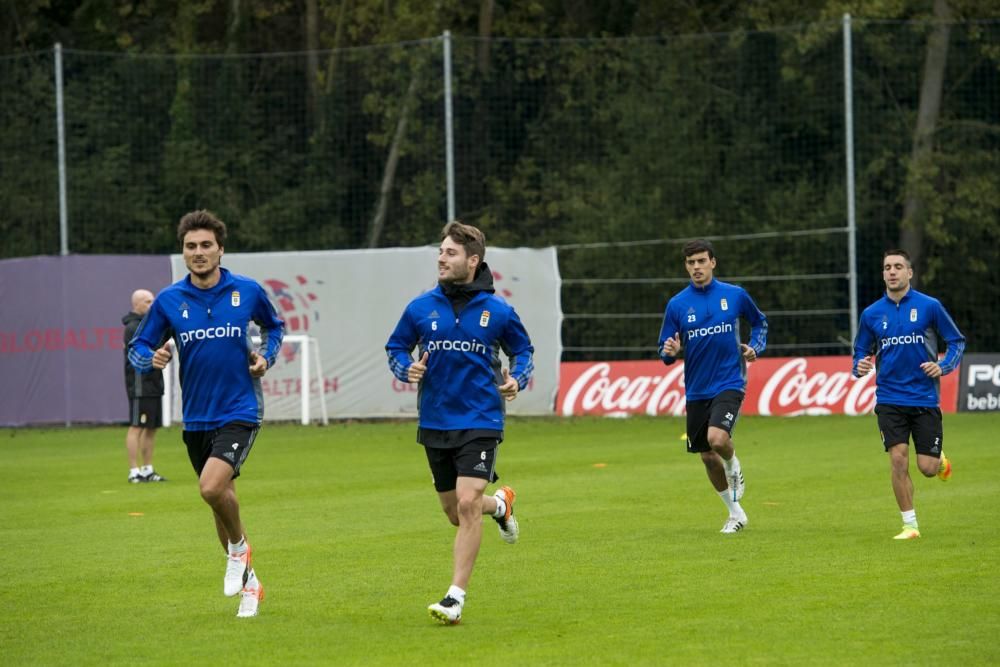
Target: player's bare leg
223	534
716	470
449	504
132	448
722	444
464	507
219	490
469	493
147	439
902	485
929	465
902	488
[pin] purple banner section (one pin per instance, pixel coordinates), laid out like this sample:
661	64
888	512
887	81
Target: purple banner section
61	348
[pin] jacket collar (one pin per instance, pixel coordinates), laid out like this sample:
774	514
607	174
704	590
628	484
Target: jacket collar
225	278
906	297
706	289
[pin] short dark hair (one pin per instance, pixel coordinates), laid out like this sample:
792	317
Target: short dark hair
202	220
467	236
897	251
697	246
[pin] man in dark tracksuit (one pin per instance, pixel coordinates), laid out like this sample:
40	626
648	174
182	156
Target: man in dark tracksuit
144	401
459	329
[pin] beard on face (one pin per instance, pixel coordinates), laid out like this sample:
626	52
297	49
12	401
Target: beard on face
459	274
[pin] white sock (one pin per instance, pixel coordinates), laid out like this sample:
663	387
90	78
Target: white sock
457	593
146	470
732	505
239	547
731	465
910	518
501	507
252	579
133	472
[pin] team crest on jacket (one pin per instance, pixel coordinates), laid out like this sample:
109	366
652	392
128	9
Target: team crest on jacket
484	319
913	314
236	298
724	305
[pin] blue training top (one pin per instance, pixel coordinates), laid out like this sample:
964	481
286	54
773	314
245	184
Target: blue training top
210	332
459	390
902	336
707	319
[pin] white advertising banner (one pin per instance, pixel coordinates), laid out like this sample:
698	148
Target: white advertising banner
350	300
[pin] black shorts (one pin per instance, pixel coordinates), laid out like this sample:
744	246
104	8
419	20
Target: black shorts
476	458
720	412
145	412
897	422
230	442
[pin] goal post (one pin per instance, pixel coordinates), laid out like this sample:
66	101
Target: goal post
309	364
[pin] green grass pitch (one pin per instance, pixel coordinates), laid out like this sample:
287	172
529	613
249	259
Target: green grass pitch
620	560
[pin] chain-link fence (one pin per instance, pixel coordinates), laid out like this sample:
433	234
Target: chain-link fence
613	150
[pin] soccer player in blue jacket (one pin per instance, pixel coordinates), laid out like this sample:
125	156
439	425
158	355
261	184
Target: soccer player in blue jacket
902	331
208	314
459	328
703	321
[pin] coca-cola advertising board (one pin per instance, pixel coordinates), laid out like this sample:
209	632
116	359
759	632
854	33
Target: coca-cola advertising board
775	386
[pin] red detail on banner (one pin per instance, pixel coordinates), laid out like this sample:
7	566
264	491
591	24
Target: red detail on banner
776	386
275	387
54	340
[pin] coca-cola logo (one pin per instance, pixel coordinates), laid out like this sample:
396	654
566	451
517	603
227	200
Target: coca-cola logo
792	390
595	390
776	386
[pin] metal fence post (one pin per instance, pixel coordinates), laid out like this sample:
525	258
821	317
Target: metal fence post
852	227
61	140
449	138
